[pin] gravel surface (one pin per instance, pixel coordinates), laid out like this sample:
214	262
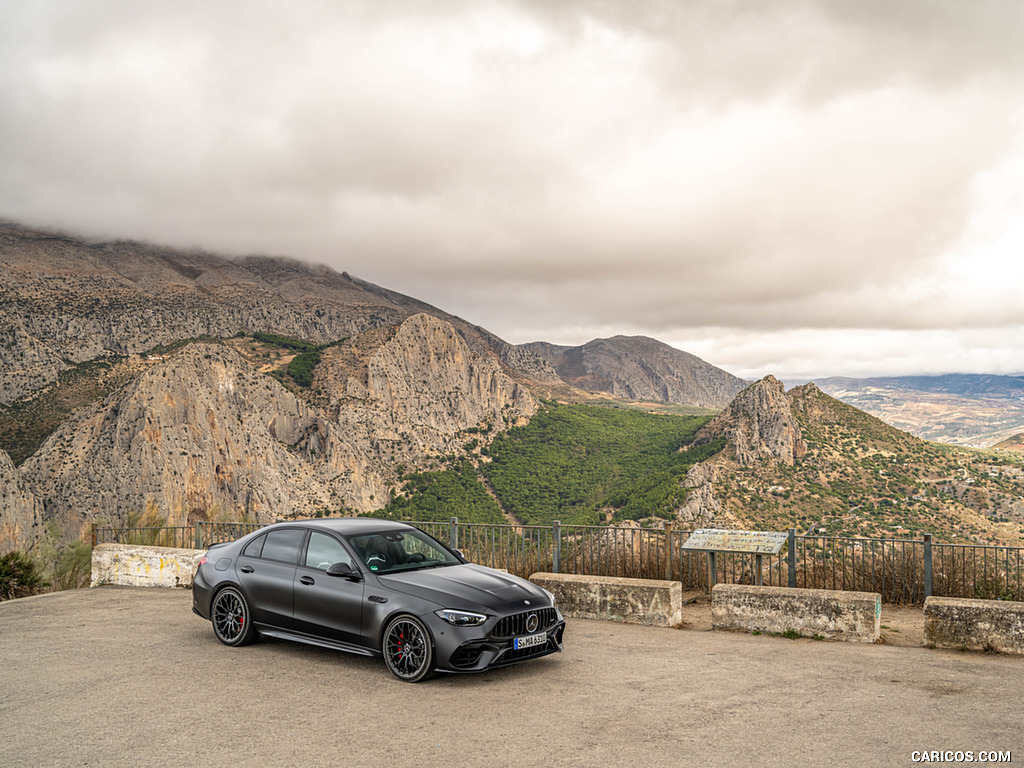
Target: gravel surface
130	677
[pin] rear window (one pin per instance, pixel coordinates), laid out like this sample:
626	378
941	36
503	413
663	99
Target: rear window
283	545
254	547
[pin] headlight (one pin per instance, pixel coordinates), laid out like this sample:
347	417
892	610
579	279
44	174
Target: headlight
461	618
550	595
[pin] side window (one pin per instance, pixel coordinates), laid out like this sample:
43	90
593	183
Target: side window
283	545
254	547
324	551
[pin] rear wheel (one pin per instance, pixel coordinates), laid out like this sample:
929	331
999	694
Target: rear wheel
408	651
231	620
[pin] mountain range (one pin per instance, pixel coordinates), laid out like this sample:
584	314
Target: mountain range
141	383
140	380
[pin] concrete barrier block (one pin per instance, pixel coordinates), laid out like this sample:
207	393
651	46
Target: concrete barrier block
976	625
139	566
834	615
633	601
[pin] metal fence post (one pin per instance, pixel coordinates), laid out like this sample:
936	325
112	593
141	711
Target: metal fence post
927	565
197	534
94	535
453	533
556	553
668	551
791	556
712	571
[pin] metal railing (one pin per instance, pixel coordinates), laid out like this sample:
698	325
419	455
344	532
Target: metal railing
196	536
901	570
182	536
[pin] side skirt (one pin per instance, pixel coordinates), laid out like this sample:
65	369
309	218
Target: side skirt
321	642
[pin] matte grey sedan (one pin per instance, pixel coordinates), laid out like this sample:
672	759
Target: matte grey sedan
374	587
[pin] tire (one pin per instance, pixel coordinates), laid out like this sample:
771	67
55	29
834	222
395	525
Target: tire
232	622
408	649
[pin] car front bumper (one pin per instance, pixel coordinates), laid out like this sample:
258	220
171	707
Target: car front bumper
493	644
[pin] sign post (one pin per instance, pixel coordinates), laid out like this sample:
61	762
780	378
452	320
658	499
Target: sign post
757	543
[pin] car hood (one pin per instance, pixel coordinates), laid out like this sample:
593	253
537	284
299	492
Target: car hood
467	587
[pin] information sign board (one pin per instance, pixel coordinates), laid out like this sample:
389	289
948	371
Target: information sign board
748	542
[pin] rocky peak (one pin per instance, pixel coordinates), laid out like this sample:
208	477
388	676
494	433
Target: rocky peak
758	424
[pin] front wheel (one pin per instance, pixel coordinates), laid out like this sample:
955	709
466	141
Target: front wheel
408	651
231	620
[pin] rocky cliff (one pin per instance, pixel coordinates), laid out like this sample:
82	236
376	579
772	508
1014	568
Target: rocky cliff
417	386
21	516
204	435
640	368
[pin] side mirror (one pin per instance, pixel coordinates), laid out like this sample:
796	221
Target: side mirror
345	571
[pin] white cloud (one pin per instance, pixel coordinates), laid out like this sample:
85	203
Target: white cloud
819	176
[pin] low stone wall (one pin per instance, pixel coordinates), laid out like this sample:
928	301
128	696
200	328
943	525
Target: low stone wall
975	625
851	616
139	566
634	601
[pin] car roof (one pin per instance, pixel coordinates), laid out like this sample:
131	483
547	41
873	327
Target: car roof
350	526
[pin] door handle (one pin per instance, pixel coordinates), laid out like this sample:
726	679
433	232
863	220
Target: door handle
246	569
307	580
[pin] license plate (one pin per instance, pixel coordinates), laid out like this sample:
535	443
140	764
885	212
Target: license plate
530	641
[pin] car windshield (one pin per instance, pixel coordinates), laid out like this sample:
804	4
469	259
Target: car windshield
393	551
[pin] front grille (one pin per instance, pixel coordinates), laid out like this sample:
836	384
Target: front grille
515	625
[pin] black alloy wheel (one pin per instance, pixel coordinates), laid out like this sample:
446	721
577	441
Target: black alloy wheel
231	620
408	651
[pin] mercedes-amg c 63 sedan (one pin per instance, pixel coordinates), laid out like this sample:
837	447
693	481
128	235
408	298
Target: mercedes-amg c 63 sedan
374	587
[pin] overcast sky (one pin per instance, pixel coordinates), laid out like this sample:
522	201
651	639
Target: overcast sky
796	188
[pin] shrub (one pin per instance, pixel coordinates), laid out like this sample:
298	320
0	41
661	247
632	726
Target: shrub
18	576
301	367
72	568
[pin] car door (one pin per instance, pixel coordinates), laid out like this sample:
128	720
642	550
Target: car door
267	575
327	606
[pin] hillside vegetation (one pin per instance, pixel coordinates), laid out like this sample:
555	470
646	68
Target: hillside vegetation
439	496
857	476
579	464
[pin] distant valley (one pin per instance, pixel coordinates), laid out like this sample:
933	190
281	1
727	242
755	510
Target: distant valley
973	410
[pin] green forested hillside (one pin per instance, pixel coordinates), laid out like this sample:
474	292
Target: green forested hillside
575	463
440	496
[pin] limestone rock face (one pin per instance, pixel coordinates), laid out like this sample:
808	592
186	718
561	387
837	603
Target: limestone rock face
21	518
759	424
427	376
203	435
199	435
701	507
409	391
640	368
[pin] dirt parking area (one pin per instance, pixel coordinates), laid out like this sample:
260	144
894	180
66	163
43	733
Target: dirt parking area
130	677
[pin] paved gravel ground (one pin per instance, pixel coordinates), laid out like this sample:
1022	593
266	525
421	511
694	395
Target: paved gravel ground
130	677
